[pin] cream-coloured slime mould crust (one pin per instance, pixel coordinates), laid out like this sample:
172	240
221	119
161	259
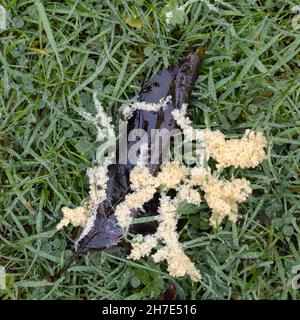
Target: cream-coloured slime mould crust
220	195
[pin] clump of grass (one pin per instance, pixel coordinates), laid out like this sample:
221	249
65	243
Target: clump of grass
51	58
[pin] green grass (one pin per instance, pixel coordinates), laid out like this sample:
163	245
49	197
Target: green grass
54	54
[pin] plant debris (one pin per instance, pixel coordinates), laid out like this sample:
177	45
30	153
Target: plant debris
155	187
102	229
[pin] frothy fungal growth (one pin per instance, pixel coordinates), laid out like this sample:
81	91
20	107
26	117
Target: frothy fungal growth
185	123
85	216
187	193
89	224
190	133
221	196
247	152
102	122
138	105
142	246
144	186
77	217
178	262
97	176
98	182
133	201
171	175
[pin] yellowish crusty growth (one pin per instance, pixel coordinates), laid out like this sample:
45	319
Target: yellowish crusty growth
185	123
172	174
178	262
133	201
102	122
85	216
186	192
141	178
221	196
190	133
77	217
247	152
144	186
142	246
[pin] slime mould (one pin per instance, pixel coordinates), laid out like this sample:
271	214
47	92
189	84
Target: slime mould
177	81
